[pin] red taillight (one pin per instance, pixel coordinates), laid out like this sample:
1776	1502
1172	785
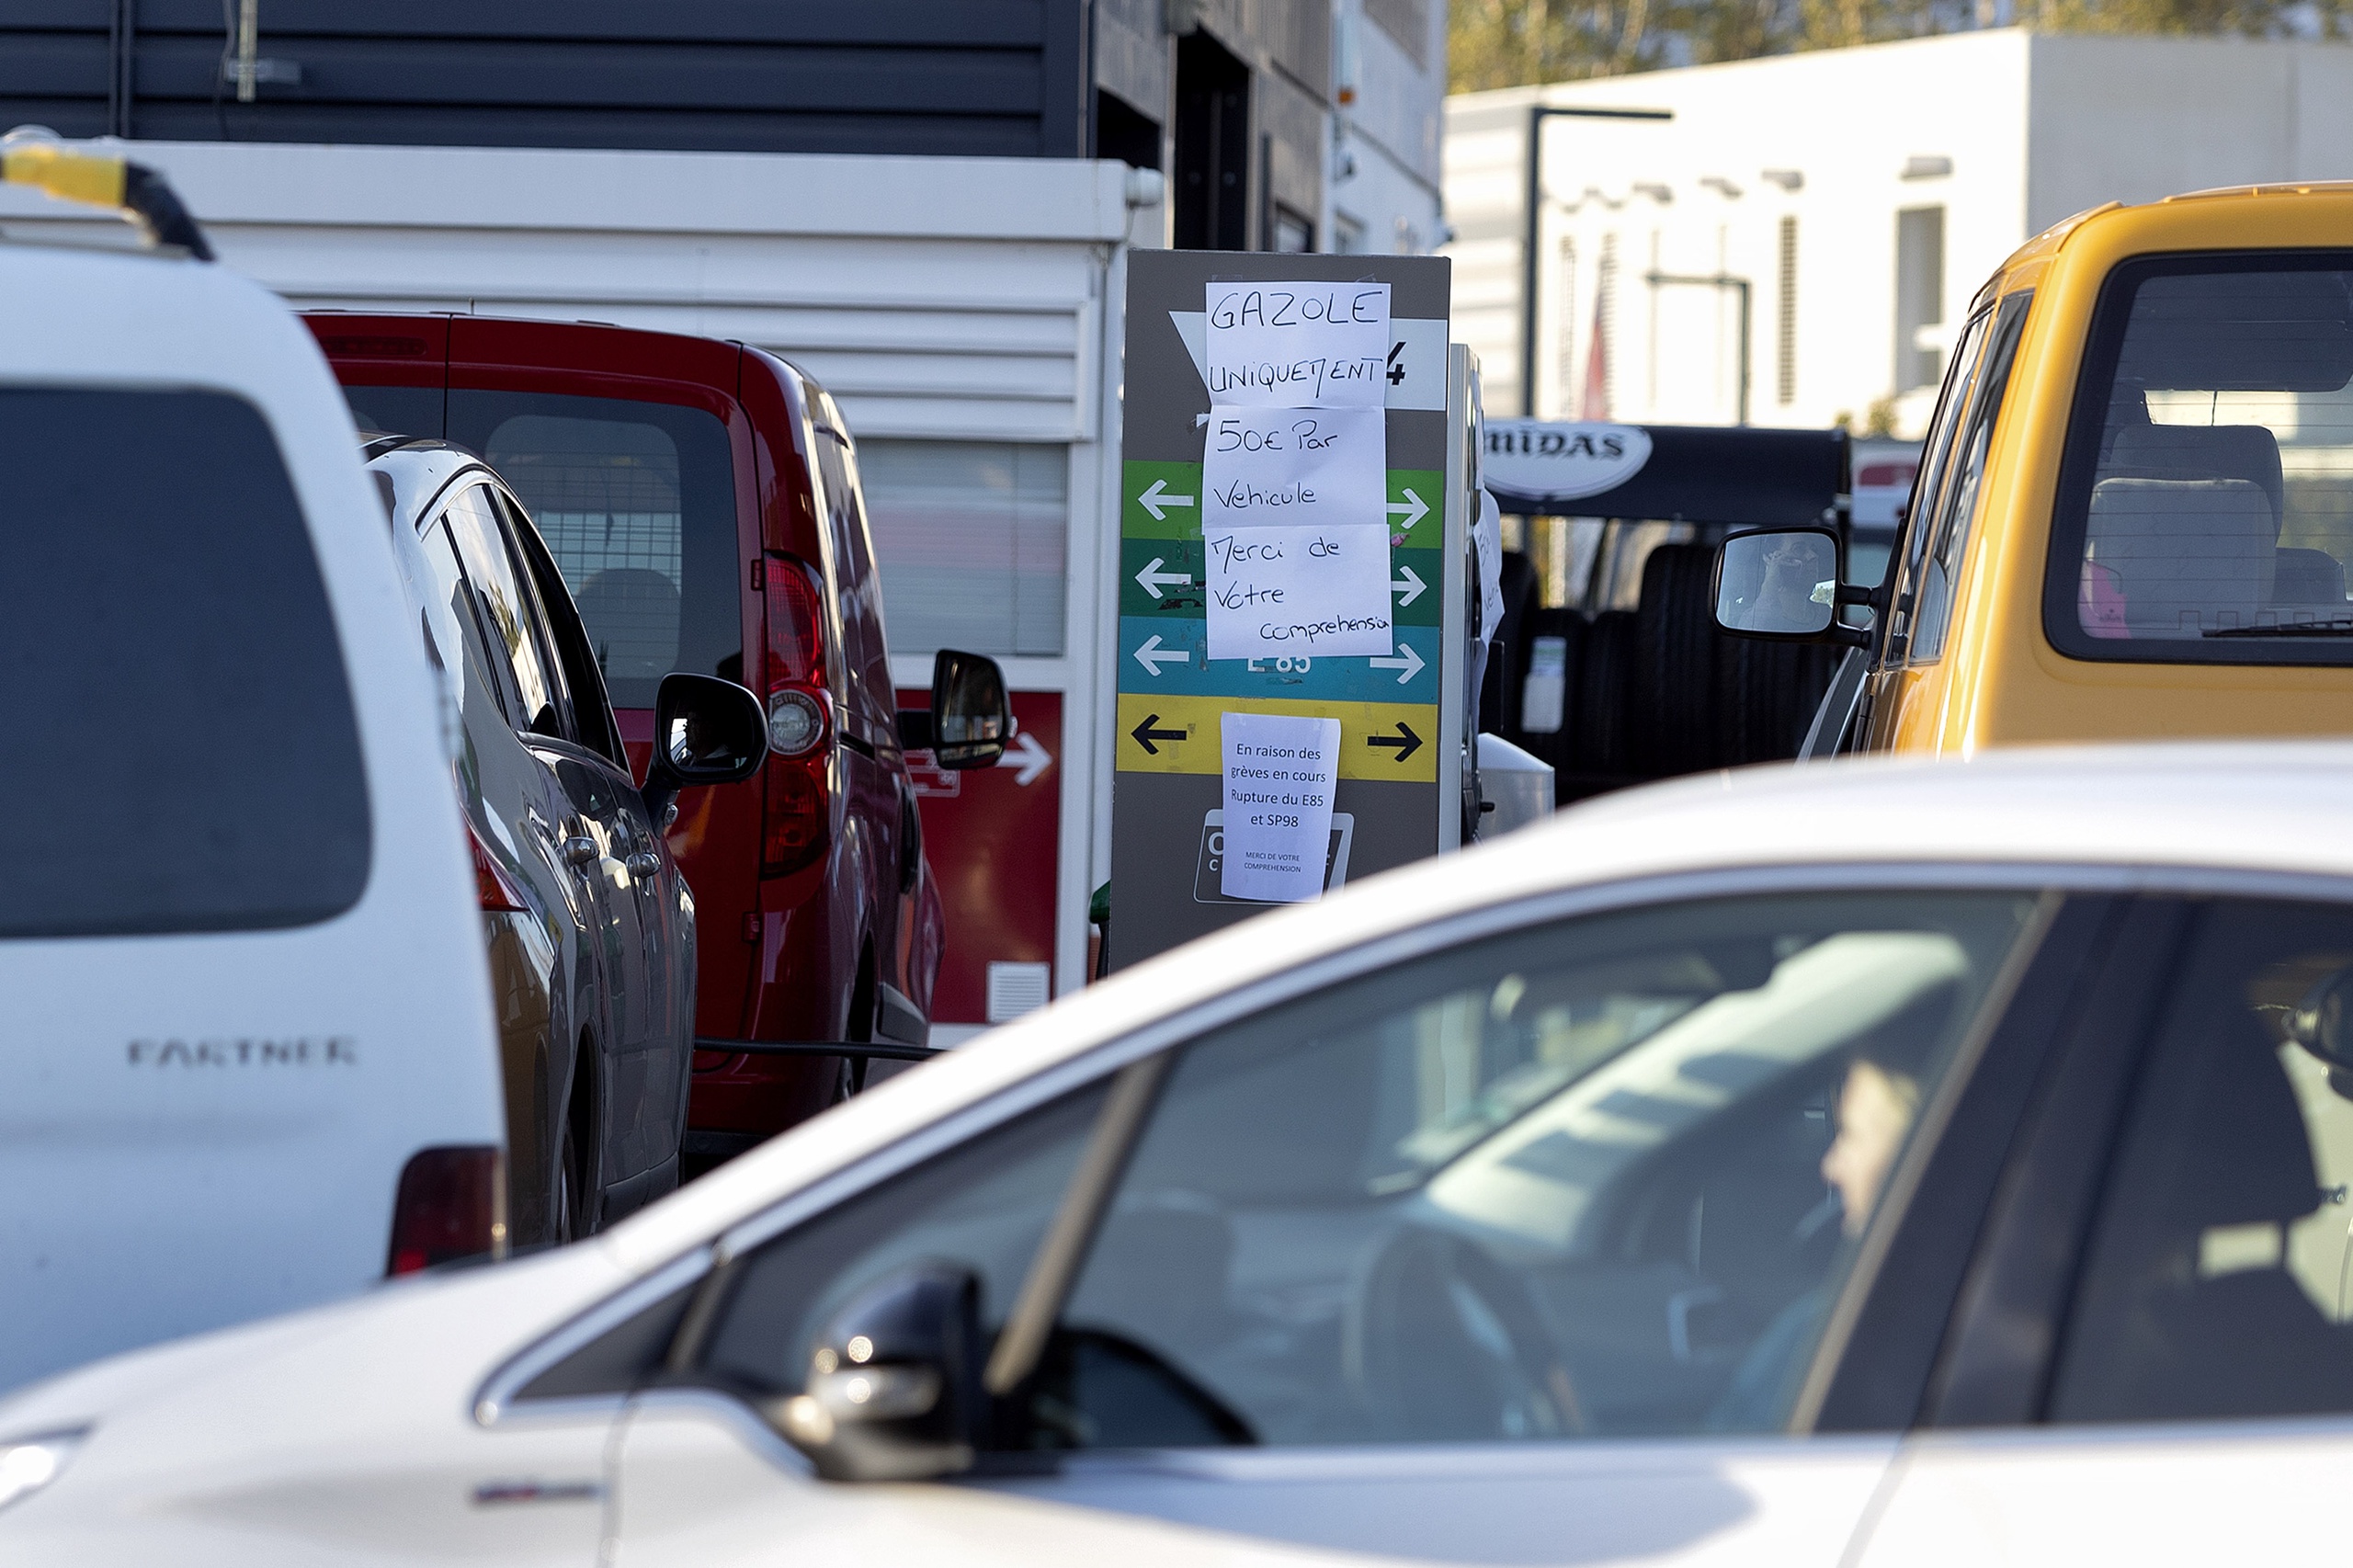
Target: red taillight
796	623
796	809
492	884
452	1204
793	825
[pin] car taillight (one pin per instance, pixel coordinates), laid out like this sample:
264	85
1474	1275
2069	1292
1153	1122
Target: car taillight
452	1204
492	884
796	809
796	623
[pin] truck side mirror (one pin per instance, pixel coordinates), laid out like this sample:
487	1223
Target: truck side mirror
705	730
970	720
1784	584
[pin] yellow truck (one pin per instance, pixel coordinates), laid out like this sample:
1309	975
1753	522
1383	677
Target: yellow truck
2134	507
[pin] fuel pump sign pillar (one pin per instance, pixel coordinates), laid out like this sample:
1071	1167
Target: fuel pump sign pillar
1402	715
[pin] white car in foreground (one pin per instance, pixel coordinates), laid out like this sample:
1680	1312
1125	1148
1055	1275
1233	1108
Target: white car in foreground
1871	1163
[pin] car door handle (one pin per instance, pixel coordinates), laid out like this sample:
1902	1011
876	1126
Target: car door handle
644	863
580	851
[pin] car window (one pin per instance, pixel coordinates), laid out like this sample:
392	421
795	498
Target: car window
636	502
1600	1178
453	630
396	411
2205	503
861	588
1947	537
568	639
509	618
1927	484
2220	1281
181	748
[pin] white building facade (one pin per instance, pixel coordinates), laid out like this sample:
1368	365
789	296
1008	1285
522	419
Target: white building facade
1842	206
1389	92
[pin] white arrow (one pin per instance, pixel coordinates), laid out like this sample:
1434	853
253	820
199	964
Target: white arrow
1412	505
1152	655
1411	585
1026	755
1154	499
1151	576
1406	660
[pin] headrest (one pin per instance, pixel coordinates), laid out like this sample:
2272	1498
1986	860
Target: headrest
2187	554
2251	1164
2200	451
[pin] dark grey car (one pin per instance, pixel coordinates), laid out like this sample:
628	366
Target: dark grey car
590	923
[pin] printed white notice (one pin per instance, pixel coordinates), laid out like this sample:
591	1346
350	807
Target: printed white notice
1299	593
1297	345
1279	772
1294	465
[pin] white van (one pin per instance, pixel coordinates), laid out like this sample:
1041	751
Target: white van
247	1060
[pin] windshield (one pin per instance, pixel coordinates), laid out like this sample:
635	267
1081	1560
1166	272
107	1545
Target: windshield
2205	506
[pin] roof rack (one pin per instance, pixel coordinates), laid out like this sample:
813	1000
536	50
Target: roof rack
129	187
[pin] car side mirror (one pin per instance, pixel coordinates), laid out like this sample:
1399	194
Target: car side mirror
894	1389
705	730
970	720
1785	584
2323	1024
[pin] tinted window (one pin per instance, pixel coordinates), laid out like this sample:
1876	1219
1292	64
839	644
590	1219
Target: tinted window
175	729
637	504
2205	506
510	619
2220	1281
861	589
1601	1179
396	411
1945	537
1927	484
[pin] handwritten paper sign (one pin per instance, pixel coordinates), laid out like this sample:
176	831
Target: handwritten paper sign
1299	592
1293	465
1279	773
1297	345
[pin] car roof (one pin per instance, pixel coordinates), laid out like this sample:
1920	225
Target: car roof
2152	813
420	469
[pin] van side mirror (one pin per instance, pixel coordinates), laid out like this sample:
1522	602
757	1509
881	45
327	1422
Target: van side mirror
1785	584
705	730
970	718
893	1387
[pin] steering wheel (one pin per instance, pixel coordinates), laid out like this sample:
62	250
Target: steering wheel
1437	1341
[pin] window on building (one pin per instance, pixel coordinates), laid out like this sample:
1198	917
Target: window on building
1564	332
1122	132
1785	325
1919	297
1289	232
971	538
1212	150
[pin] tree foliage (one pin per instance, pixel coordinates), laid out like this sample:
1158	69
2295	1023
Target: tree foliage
1511	43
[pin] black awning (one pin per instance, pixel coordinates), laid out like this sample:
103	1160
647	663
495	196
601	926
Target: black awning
1698	473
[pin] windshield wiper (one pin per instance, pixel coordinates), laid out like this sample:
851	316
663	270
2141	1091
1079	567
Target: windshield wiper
2332	626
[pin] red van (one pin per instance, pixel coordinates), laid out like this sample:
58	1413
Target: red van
702	501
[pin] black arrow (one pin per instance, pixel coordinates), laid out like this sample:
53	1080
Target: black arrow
1404	740
1145	734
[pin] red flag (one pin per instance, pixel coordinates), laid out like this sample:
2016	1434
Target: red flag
1595	404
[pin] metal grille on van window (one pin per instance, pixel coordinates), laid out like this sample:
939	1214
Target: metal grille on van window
612	519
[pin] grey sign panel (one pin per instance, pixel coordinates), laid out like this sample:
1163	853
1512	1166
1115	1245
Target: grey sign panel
1399	791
